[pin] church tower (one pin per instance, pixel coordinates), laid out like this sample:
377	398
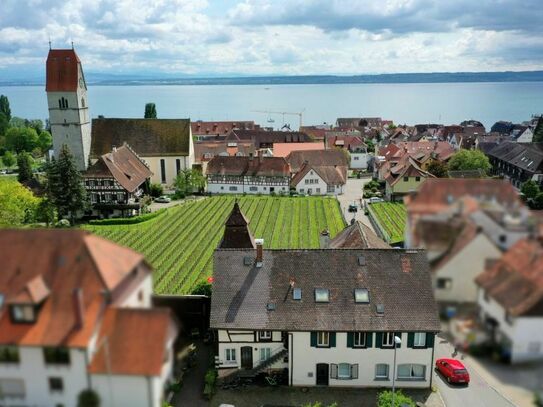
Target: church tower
68	106
236	232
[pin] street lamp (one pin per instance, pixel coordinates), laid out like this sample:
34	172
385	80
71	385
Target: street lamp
397	341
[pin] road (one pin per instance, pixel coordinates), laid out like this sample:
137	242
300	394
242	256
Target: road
352	194
478	394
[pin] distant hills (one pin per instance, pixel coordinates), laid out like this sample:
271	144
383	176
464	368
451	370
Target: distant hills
169	79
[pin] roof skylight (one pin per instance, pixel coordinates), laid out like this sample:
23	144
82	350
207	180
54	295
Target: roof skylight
361	295
322	295
297	294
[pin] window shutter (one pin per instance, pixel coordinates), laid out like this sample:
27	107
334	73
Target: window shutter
313	339
430	339
350	339
332	339
378	339
369	339
399	335
410	339
354	371
333	371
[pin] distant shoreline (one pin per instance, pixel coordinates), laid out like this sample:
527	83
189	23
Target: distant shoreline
96	79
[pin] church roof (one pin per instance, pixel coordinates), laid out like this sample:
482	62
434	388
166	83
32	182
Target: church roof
61	70
236	232
237	218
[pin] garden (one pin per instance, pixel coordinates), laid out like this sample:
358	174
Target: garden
179	242
391	219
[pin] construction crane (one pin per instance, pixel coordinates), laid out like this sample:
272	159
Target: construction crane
268	112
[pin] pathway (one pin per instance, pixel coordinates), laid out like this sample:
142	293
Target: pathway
191	394
352	194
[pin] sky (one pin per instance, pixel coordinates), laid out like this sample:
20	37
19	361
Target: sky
273	37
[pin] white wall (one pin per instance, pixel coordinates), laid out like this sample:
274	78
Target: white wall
132	300
35	373
359	160
224	188
122	391
305	359
462	270
319	187
170	166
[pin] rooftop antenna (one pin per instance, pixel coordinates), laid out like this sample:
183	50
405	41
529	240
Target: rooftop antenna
49	42
72	45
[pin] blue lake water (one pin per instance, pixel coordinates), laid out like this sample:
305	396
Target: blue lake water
411	103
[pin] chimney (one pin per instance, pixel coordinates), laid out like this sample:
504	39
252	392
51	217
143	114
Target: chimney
259	252
79	306
324	239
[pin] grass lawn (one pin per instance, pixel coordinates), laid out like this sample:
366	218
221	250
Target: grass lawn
179	243
392	218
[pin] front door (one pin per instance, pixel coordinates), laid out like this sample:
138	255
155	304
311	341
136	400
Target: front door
322	374
247	357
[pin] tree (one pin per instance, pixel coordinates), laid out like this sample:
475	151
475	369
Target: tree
4	124
64	186
202	288
371	146
538	131
469	160
530	189
21	139
188	181
156	190
8	159
45	141
4	107
17	204
538	201
88	398
24	163
45	212
437	168
150	111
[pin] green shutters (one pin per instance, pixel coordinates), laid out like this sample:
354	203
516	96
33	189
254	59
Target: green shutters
350	339
332	339
333	370
378	339
369	339
430	340
313	339
410	339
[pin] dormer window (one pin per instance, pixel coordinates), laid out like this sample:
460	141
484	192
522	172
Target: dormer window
361	296
23	313
322	295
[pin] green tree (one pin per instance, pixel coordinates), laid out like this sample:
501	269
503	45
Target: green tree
202	288
437	168
17	204
24	163
371	146
156	190
384	399
4	107
45	141
21	139
45	212
4	125
150	111
88	398
188	181
538	201
469	160
538	131
35	124
8	159
64	185
530	189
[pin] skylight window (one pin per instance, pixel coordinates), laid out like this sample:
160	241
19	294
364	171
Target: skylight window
247	261
297	294
361	295
361	261
322	295
380	309
270	306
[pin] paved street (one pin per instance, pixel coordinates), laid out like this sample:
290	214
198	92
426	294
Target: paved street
353	193
478	394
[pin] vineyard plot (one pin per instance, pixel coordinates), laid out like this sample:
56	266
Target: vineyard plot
392	218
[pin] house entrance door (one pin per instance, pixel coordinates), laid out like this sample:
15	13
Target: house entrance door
322	374
247	357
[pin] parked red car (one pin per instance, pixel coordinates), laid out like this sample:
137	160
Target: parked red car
453	370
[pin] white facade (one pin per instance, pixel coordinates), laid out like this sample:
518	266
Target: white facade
238	185
70	121
522	335
359	160
527	136
454	282
313	184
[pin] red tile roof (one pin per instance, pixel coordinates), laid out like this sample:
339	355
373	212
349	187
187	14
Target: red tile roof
319	158
249	166
284	149
133	341
217	128
62	70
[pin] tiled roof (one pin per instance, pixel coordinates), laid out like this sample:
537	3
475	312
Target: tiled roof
136	341
516	280
398	279
327	158
49	264
357	236
61	70
527	156
123	165
260	137
236	232
406	167
284	149
147	137
331	175
250	166
216	128
214	148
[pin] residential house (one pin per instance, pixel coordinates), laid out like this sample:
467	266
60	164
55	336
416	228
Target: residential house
266	139
284	149
204	151
358	150
320	179
165	145
316	133
115	183
75	315
211	130
517	162
405	177
326	158
510	299
329	317
251	175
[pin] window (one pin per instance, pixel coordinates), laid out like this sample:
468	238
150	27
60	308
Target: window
9	354
254	189
82	102
323	339
419	339
318	190
306	181
55	384
56	356
361	295
381	371
230	355
23	313
417	179
388	339
355	158
301	190
232	188
265	354
359	339
177	165
163	170
297	294
330	188
140	296
411	372
264	335
344	371
322	295
444	283
405	179
12	387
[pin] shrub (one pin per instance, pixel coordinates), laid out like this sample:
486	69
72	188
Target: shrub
128	221
209	386
63	223
178	195
384	399
88	398
202	288
156	190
